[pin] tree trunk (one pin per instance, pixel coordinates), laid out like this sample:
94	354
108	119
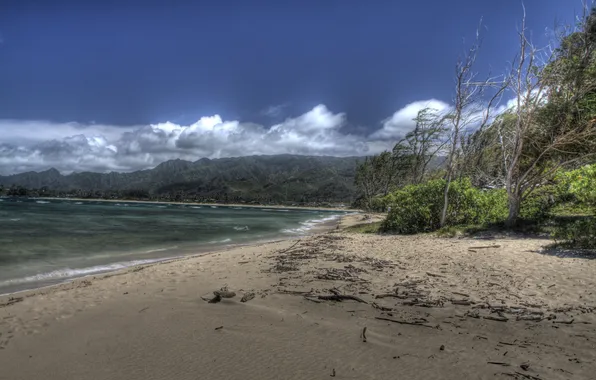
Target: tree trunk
514	200
446	200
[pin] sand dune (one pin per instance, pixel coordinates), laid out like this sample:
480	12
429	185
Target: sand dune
448	311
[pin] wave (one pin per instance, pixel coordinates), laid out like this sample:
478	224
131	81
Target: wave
244	228
78	203
213	206
161	249
309	225
236	208
220	241
195	207
42	202
69	273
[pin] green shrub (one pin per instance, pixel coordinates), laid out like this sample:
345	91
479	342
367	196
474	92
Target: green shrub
417	208
579	184
538	205
578	234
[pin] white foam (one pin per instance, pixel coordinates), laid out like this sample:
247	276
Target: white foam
195	207
68	273
78	203
161	249
220	241
213	206
244	228
309	225
42	202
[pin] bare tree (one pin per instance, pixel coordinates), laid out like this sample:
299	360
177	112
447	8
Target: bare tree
549	127
470	110
425	141
375	175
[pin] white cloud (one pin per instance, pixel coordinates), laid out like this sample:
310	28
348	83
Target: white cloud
402	121
274	111
36	145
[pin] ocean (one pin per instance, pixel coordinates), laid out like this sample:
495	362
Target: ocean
43	242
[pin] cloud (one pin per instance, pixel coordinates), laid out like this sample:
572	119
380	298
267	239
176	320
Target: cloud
68	147
402	121
274	111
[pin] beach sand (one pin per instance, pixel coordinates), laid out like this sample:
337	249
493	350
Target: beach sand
430	308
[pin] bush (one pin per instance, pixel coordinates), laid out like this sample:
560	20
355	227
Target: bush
417	208
538	205
580	184
578	234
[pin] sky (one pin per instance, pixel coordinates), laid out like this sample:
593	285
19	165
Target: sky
124	85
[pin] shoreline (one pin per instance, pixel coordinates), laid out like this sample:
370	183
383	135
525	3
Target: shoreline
305	208
420	306
198	251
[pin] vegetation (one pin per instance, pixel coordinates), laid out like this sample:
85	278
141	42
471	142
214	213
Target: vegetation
518	166
281	179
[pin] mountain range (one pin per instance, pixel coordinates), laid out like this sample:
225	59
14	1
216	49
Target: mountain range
262	179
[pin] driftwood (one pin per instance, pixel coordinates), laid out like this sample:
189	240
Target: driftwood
498	319
385	295
462	302
422	303
565	322
404	322
11	301
287	249
341	297
485	247
500	363
434	274
247	297
379	307
308	298
363	335
528	376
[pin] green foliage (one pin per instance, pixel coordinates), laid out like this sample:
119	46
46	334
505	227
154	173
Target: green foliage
578	234
417	208
537	206
581	184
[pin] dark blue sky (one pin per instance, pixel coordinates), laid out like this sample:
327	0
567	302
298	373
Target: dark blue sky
130	63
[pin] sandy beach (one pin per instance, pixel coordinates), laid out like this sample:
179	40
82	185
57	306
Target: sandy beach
334	304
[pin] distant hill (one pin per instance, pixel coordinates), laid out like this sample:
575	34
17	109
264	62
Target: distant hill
263	179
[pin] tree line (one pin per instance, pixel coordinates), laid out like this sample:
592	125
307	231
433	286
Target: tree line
547	125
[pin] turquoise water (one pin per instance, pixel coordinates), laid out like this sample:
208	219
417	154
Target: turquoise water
48	241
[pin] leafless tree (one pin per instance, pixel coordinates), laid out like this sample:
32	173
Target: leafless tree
470	109
547	129
425	141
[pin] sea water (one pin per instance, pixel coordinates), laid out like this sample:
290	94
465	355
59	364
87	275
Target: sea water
44	242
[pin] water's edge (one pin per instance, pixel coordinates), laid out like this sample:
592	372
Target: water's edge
197	250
